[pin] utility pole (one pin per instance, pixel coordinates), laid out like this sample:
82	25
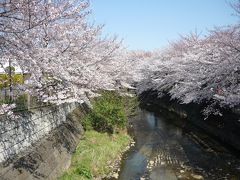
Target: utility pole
10	79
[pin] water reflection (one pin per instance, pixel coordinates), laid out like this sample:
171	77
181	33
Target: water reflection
174	150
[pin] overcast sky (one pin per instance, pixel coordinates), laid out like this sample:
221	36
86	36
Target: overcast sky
150	24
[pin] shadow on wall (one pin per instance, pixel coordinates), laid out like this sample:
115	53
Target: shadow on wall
223	128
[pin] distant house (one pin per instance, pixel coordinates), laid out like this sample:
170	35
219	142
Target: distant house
17	76
9	86
17	69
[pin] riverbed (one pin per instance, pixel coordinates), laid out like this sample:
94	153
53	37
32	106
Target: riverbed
169	148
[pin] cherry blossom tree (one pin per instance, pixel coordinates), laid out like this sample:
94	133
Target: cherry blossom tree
200	70
53	42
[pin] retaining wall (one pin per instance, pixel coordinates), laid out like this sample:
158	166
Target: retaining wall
223	128
40	143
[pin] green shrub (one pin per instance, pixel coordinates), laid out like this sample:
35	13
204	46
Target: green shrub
130	105
21	102
83	171
110	112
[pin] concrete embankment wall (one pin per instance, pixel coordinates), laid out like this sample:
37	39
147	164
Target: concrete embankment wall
224	128
39	144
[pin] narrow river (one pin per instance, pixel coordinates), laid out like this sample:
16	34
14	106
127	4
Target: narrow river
167	148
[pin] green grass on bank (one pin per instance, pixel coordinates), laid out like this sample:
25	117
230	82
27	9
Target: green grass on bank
105	137
94	153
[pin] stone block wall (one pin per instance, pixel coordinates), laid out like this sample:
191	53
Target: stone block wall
19	134
47	138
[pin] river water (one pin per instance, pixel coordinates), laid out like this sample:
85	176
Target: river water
168	148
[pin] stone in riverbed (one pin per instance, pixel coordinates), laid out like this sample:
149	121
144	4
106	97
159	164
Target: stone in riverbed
115	175
180	177
195	176
163	163
132	144
151	162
